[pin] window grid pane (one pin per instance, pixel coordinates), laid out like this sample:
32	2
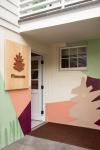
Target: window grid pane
82	57
82	52
73	62
73	52
74	57
65	63
65	58
65	53
82	62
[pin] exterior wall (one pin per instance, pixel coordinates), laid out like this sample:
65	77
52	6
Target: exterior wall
73	97
70	15
70	99
9	14
15	105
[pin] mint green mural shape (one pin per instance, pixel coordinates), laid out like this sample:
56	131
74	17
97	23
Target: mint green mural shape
10	129
93	59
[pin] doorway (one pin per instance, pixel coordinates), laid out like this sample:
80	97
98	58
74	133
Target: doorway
37	103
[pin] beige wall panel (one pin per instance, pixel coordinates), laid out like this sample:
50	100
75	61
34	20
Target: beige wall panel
15	79
85	111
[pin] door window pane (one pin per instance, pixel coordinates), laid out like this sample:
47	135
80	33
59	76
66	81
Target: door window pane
34	74
34	64
34	84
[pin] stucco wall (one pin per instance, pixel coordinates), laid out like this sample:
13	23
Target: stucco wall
15	105
69	94
72	97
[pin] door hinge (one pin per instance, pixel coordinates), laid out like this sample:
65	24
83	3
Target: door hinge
42	112
42	86
42	61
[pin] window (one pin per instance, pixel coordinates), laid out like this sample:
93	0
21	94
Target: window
73	58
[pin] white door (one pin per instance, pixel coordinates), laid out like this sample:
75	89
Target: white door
37	112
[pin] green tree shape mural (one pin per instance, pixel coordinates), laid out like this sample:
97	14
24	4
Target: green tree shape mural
85	111
10	129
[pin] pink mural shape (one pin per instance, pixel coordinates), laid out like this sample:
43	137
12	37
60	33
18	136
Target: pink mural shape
95	83
97	122
95	86
59	112
20	99
98	108
25	119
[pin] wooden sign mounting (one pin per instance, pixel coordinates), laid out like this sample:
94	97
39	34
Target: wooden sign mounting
16	66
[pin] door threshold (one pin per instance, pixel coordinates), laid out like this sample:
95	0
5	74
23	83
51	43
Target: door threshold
39	125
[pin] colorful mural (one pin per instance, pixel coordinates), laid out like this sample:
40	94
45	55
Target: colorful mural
15	117
15	114
83	107
21	100
59	112
85	110
15	109
95	87
10	129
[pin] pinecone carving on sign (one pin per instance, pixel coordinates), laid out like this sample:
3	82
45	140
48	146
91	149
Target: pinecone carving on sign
18	64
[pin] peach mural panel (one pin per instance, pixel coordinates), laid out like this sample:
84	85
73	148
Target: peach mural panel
20	99
59	112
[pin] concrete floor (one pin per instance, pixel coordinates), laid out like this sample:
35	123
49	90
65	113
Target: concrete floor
33	143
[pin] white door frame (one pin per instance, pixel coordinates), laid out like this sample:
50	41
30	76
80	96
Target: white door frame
42	83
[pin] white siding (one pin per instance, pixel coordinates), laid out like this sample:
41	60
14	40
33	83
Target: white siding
69	16
9	14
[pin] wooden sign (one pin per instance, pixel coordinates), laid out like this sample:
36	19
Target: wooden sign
16	66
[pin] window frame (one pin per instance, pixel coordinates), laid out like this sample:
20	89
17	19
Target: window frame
72	68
